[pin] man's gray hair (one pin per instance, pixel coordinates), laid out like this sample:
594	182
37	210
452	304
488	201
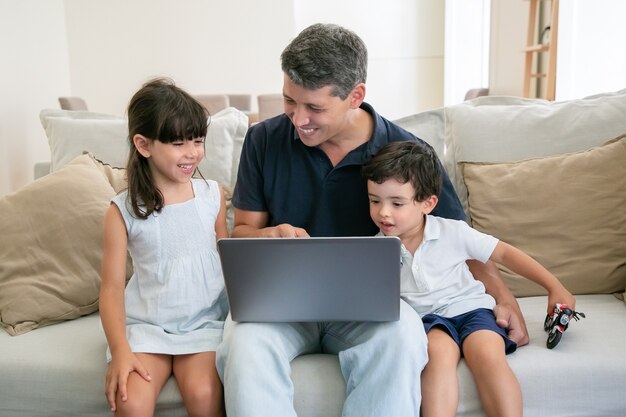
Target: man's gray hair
326	55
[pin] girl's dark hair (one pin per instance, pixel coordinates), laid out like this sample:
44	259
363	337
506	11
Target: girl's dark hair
158	111
407	161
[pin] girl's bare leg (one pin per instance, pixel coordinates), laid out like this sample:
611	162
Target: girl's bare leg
142	394
499	390
440	392
199	384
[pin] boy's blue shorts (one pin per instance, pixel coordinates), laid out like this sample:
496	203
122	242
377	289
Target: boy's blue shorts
461	326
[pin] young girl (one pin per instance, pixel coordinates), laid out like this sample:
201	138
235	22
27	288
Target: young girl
169	319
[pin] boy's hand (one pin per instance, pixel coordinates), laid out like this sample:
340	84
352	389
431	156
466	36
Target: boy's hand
562	297
117	376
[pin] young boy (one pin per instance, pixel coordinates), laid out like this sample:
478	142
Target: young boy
404	181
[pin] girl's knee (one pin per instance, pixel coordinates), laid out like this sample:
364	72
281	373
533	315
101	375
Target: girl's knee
204	399
135	405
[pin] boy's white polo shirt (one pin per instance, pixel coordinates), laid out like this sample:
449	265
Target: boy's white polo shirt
436	279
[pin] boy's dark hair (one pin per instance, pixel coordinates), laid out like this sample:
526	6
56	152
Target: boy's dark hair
407	161
326	55
158	111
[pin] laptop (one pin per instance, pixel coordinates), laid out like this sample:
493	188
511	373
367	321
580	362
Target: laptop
312	279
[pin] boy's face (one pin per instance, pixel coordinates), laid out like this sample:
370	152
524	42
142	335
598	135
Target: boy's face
394	210
317	115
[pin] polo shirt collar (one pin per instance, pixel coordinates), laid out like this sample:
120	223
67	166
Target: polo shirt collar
380	135
432	229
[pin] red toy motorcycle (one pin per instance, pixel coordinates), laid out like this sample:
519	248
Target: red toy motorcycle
556	323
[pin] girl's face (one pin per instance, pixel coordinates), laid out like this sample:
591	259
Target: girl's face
394	210
175	162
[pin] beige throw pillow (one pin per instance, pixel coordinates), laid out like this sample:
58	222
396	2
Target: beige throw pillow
568	212
51	245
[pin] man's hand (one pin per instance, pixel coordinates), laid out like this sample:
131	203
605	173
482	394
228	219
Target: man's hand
284	230
512	320
507	311
254	224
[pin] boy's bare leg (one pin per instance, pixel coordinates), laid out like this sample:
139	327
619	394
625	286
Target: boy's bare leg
499	390
440	389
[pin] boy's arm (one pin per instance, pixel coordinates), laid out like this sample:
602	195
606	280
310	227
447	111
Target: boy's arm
508	313
522	264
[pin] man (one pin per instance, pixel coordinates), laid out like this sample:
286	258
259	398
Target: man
299	176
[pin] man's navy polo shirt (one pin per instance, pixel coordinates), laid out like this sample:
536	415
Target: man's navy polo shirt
298	185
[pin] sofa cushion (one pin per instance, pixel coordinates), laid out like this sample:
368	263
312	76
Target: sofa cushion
65	366
428	126
51	245
70	133
567	211
504	129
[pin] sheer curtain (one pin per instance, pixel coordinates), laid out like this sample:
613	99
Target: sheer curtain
466	63
591	58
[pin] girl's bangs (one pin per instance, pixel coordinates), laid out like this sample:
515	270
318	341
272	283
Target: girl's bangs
183	124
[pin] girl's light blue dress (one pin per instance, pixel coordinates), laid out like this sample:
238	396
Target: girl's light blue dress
175	301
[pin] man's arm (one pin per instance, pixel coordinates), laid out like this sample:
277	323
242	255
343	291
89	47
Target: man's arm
507	310
254	224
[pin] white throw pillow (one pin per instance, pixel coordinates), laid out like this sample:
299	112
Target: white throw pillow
428	126
70	133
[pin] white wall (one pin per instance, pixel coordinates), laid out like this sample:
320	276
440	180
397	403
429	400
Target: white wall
115	45
103	50
206	46
405	47
33	72
509	20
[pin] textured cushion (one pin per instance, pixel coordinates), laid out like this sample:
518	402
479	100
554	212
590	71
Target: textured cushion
70	133
64	364
51	246
504	129
566	211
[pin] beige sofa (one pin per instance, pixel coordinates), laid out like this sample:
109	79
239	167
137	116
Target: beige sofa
534	173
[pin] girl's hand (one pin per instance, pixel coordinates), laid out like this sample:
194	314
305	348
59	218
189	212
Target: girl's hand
562	296
118	371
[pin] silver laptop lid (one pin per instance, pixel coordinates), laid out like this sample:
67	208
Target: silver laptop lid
312	279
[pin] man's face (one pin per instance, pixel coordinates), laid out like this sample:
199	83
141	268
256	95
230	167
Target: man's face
316	114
